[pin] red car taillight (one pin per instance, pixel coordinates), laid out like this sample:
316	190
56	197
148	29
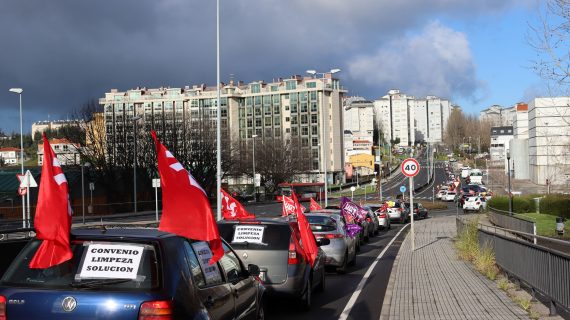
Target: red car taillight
156	310
332	235
294	255
369	220
2	308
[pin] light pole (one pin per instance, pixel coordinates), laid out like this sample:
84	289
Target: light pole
324	129
509	176
219	119
253	156
19	92
135	122
86	164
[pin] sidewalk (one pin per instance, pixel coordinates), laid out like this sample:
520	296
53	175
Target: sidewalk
432	283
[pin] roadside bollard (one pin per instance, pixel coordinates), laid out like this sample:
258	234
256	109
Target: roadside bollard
560	225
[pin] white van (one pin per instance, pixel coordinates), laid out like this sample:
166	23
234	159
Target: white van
465	172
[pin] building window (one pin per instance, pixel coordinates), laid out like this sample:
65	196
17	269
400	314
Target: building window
304	107
304	142
258	122
304	119
314	119
291	85
268	121
311	84
295	131
304	131
277	132
255	88
277	120
287	119
294	120
314	130
313	107
314	143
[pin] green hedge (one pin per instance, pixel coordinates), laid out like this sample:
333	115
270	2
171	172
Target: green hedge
557	205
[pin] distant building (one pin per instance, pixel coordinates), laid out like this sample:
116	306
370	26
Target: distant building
410	119
67	153
9	156
500	142
520	123
358	126
42	126
549	140
498	116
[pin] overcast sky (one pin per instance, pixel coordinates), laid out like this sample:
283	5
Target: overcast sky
66	52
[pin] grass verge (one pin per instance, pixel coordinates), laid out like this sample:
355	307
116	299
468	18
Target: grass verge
545	224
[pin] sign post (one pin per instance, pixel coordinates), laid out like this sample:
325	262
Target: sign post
410	168
156	185
27	181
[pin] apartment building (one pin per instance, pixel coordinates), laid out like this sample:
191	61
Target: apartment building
498	116
67	152
411	119
42	126
9	156
305	109
549	140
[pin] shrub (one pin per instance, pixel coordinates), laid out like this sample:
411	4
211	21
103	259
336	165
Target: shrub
467	241
521	204
556	204
485	263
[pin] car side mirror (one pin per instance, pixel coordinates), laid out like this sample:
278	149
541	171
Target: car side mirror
253	270
323	242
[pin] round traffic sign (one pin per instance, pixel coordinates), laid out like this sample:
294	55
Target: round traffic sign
22	191
403	189
410	167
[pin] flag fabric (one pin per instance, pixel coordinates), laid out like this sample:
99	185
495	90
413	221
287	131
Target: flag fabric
53	214
289	206
186	210
232	209
308	241
349	208
314	205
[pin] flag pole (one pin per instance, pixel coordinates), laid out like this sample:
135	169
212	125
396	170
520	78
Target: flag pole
219	120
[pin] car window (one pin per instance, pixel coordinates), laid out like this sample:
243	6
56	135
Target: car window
136	263
275	236
211	273
322	224
195	268
231	265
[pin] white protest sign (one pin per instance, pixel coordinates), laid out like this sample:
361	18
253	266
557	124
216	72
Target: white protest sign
251	234
111	261
211	272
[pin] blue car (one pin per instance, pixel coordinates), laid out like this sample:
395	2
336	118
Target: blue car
136	273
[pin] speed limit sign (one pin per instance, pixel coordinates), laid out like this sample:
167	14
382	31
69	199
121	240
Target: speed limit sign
410	167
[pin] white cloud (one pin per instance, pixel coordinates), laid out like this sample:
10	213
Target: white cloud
437	61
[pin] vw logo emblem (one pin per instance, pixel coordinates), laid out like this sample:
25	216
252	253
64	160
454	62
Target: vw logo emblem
244	255
69	304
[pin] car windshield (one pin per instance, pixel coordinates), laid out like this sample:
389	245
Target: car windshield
321	224
112	265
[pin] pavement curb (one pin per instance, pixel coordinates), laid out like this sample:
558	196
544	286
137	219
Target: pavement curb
386	304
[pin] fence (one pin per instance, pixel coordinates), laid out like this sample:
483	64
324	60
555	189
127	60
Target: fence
504	220
541	269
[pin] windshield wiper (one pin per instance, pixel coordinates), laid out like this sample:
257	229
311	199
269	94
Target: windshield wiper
97	283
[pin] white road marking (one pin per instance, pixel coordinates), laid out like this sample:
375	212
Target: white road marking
354	297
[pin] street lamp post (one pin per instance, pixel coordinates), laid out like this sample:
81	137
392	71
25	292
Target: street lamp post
253	158
324	129
19	92
509	176
86	164
135	122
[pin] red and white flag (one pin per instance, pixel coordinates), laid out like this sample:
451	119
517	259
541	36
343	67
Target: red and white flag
289	206
232	209
186	210
314	205
53	214
309	243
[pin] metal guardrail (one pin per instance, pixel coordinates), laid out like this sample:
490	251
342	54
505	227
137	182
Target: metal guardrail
540	268
504	220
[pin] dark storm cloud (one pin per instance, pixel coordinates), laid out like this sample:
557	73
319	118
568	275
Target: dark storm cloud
65	52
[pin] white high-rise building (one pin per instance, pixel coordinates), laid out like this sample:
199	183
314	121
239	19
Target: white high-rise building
410	119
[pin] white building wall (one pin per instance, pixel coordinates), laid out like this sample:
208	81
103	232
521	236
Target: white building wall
549	140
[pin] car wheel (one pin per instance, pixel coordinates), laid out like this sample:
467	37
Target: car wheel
357	244
307	297
342	269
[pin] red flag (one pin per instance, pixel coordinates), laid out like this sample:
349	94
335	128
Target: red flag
289	206
307	237
186	210
314	205
232	209
53	214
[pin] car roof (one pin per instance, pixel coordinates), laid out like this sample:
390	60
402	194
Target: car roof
326	211
264	221
115	231
320	214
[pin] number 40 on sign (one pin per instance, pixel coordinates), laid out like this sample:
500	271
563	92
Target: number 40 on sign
410	167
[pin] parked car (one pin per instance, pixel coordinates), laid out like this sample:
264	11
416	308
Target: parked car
132	274
373	222
275	248
341	251
396	213
419	210
359	237
475	203
383	220
440	194
449	196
